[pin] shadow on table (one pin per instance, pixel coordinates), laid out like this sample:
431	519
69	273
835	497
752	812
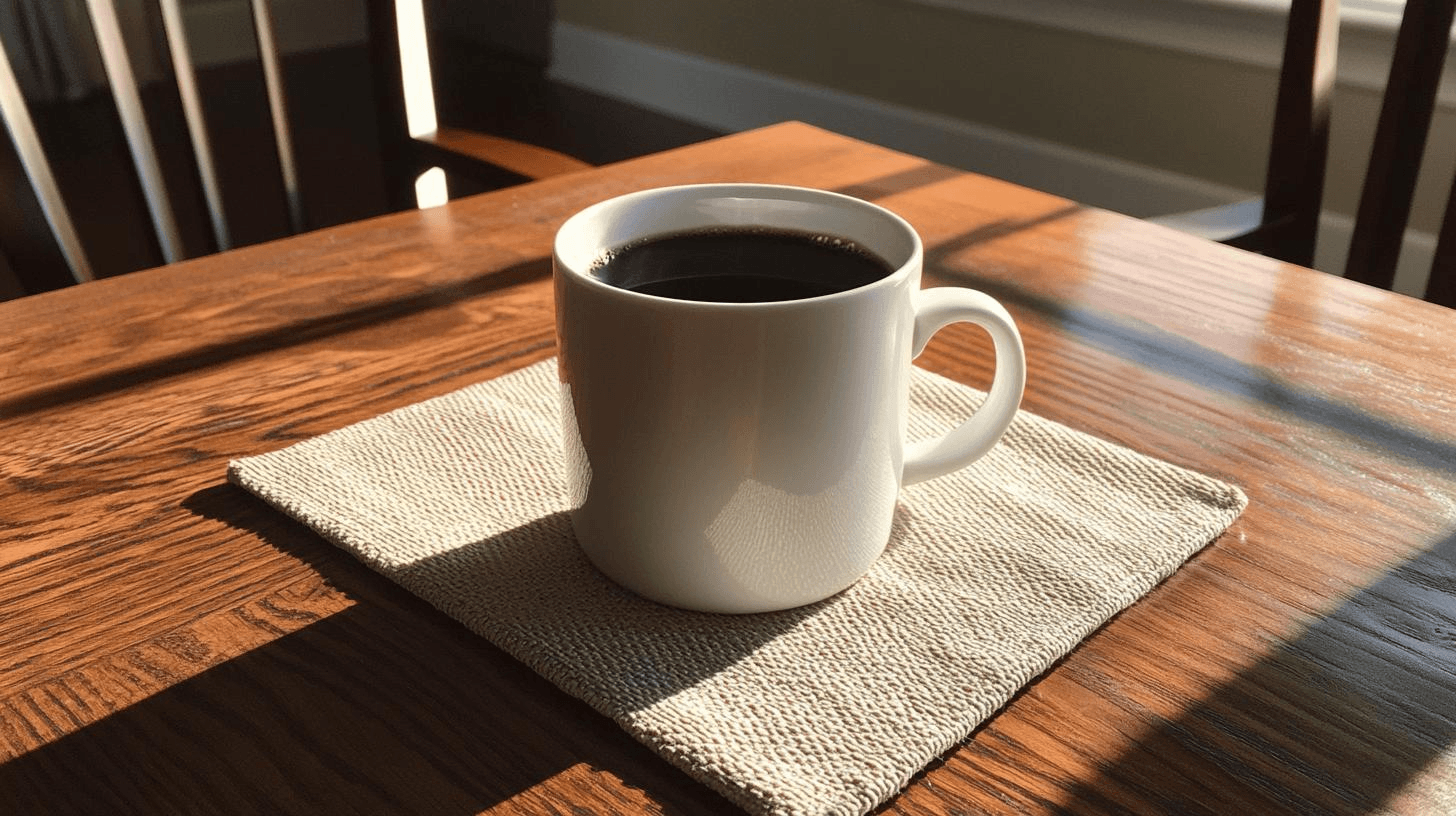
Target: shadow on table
1167	353
1337	720
384	707
290	332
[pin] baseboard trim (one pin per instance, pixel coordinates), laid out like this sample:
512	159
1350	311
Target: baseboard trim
731	98
1248	32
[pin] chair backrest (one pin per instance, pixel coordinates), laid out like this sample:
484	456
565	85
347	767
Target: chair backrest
1301	136
410	141
1299	147
161	204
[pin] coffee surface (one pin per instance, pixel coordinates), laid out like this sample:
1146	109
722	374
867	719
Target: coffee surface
740	265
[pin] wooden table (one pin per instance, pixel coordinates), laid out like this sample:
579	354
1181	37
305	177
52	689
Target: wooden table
169	644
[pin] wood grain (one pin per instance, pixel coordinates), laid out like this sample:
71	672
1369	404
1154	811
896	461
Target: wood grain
169	644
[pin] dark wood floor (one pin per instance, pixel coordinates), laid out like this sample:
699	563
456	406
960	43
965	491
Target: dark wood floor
332	110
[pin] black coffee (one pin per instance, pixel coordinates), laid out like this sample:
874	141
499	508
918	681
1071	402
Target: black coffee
740	265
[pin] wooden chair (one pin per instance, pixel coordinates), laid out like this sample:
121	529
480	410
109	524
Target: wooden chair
1286	224
1395	156
39	230
410	148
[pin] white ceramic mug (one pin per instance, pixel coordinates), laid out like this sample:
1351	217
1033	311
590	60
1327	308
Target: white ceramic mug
746	457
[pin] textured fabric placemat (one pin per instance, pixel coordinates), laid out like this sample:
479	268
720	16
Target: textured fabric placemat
992	574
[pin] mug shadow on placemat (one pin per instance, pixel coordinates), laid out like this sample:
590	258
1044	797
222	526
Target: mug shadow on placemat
535	593
384	706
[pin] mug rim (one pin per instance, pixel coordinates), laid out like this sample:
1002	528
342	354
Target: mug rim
744	190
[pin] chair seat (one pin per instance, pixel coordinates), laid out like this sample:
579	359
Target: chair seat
526	160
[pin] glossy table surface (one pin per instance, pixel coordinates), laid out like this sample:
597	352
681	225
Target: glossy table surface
170	644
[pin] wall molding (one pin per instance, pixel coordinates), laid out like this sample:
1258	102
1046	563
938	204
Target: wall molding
1249	32
731	98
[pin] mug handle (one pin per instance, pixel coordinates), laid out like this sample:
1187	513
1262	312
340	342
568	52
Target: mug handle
934	310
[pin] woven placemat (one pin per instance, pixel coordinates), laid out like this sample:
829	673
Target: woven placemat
992	574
